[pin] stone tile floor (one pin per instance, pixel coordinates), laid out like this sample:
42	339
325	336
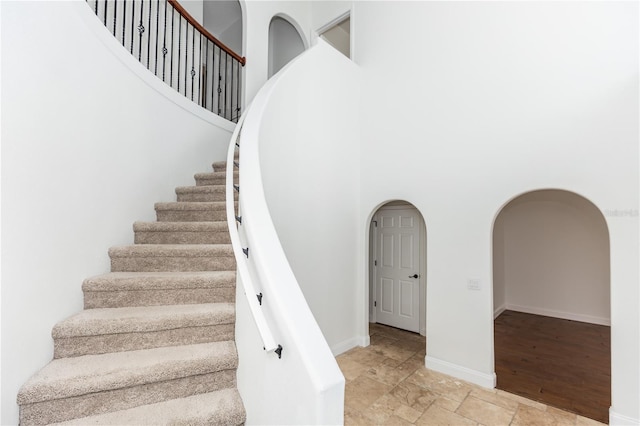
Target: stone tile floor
387	384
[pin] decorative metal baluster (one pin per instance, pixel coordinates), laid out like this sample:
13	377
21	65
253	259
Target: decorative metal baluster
205	77
173	11
200	79
226	80
179	48
238	95
149	38
186	55
140	30
219	79
124	18
193	58
133	19
164	42
115	14
104	18
96	7
157	30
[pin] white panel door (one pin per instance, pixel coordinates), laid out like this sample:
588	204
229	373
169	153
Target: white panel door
397	266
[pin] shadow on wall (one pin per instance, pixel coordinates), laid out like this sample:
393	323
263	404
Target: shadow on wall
551	257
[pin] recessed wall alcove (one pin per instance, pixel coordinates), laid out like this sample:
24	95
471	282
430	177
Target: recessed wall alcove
551	294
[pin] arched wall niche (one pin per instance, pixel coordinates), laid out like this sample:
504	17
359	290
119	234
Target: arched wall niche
551	257
286	41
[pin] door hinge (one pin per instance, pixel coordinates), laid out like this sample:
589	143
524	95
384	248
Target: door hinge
375	223
375	263
375	303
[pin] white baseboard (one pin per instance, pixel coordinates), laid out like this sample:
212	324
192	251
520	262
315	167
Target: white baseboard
497	311
344	346
559	314
616	419
482	379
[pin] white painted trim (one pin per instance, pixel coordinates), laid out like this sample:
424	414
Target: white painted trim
333	22
354	342
111	43
616	419
482	379
497	311
559	314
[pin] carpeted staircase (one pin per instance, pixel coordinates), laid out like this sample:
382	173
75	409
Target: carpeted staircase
155	342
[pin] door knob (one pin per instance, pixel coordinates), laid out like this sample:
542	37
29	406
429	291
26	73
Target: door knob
414	276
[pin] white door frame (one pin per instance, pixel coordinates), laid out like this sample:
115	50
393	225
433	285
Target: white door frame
373	247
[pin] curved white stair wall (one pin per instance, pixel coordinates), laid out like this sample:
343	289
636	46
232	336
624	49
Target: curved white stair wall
86	150
299	179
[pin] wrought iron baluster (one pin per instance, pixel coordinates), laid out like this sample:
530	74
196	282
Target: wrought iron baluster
124	18
115	15
104	18
140	30
226	57
149	37
133	19
201	73
173	10
193	57
157	30
179	47
219	79
164	42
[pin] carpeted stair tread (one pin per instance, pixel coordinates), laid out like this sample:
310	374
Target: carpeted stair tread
218	226
172	257
171	250
114	281
121	289
223	407
92	322
90	374
181	233
191	211
190	205
221	166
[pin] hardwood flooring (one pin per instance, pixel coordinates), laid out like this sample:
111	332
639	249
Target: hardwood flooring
562	363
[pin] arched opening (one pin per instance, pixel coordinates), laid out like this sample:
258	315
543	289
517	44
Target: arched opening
285	43
551	290
223	19
397	267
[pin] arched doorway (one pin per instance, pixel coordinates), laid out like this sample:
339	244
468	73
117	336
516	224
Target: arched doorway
285	43
397	267
551	277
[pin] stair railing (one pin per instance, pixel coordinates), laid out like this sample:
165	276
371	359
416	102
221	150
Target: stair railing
167	40
254	297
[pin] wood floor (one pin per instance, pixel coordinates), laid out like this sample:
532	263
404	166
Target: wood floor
562	363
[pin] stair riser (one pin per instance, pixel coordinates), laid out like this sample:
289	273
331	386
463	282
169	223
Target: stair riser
167	264
106	343
177	237
186	296
58	410
191	215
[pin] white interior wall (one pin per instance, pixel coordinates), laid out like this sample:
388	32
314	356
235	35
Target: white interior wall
338	36
223	19
195	8
311	185
555	257
503	98
88	146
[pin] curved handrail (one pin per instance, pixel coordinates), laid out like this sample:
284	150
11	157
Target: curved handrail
206	33
268	340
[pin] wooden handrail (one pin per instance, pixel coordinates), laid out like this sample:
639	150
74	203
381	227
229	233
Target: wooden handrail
181	10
